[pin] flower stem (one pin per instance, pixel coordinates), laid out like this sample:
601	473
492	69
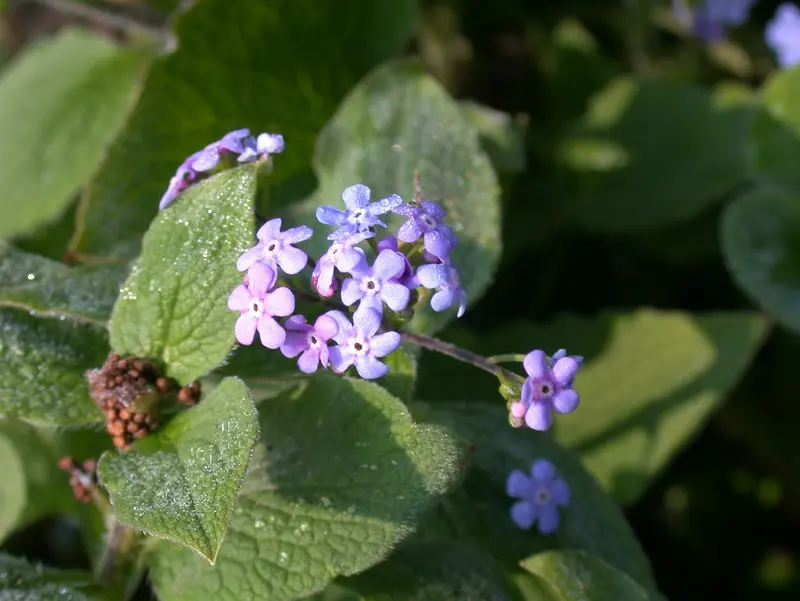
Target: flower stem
507	358
460	354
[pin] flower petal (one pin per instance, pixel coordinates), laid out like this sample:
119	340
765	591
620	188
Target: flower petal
349	260
518	484
271	230
309	361
351	291
566	401
564	370
442	300
294	344
370	368
384	205
292	260
535	364
543	471
518	410
297	234
297	323
388	265
326	327
437	244
270	143
356	197
433	209
432	276
261	278
548	519
560	491
280	302
409	231
248	257
245	329
207	159
322	277
462	302
539	416
345	327
240	298
367	321
340	359
272	335
331	215
396	296
523	514
383	344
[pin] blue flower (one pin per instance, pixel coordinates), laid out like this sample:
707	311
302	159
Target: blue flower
360	213
379	284
310	342
783	35
548	388
711	18
540	496
208	158
426	221
343	255
275	248
443	277
263	146
359	344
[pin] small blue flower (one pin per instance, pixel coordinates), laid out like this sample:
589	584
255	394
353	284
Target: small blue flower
548	388
360	213
426	221
783	35
275	249
263	146
343	255
310	342
444	278
711	18
208	158
360	345
379	284
540	495
408	278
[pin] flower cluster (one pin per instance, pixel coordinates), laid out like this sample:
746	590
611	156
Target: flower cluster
378	290
711	19
206	161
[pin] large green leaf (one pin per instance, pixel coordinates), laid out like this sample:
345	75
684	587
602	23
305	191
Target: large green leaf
396	122
52	289
480	512
41	374
182	483
434	571
173	305
649	154
578	576
22	581
340	476
760	235
52	142
12	486
274	65
650	381
502	136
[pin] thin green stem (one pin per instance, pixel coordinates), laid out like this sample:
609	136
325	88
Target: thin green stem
507	358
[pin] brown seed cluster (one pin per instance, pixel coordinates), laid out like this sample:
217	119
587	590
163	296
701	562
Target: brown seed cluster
124	388
189	395
82	479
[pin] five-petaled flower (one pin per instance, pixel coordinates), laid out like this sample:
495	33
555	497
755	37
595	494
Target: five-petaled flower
378	284
275	249
310	342
360	213
539	494
426	221
546	389
443	277
343	255
258	307
359	344
783	35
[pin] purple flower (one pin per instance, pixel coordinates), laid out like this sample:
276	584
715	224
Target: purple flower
710	19
408	278
378	284
783	35
183	178
359	344
343	255
444	278
208	158
426	221
311	341
547	388
539	496
263	146
275	248
259	308
360	213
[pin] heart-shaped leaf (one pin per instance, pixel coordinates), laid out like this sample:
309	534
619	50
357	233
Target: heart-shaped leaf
340	476
173	306
182	483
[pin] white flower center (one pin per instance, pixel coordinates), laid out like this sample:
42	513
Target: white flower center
429	221
357	216
371	285
541	496
272	247
359	346
313	340
543	388
256	308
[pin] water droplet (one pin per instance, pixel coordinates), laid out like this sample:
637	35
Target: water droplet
351	509
397	147
284	557
259	524
31	276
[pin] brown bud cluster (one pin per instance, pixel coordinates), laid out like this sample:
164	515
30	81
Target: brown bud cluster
189	395
124	388
82	479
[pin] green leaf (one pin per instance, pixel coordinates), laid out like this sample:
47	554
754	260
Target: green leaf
434	571
760	236
634	171
173	306
91	87
290	65
52	289
22	581
414	126
638	407
502	136
12	486
340	476
592	522
41	375
181	484
402	374
578	576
